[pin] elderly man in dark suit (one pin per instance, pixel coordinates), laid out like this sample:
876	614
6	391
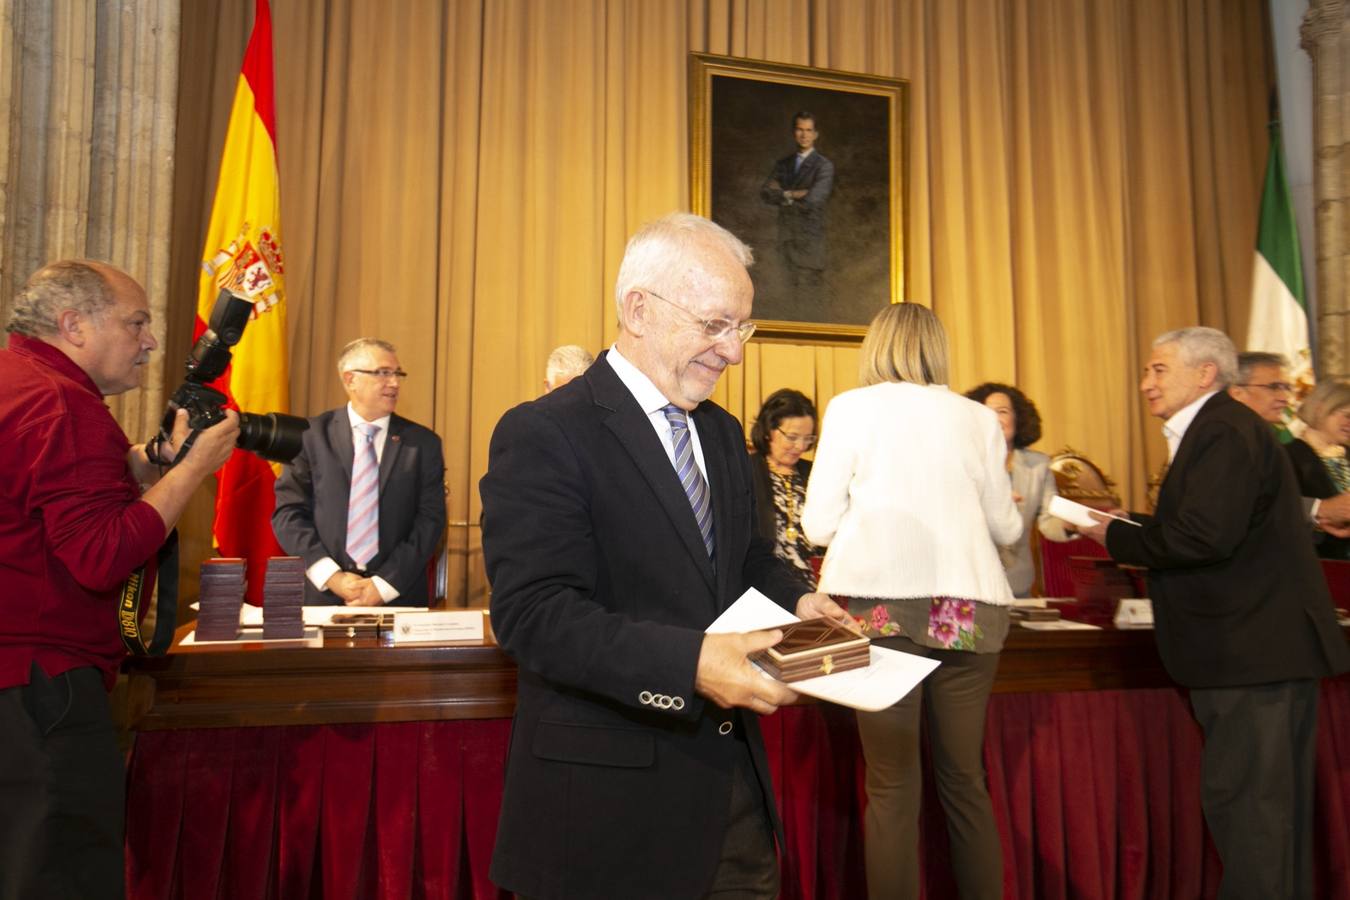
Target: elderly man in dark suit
799	185
1242	611
364	503
620	522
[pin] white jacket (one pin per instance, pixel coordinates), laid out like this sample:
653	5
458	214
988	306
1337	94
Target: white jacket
910	493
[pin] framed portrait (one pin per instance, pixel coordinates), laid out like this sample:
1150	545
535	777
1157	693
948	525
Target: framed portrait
807	167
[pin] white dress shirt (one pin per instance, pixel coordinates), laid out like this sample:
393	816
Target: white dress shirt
1174	429
654	403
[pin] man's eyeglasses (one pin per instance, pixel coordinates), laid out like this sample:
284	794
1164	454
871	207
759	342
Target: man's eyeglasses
712	328
806	441
1277	387
382	374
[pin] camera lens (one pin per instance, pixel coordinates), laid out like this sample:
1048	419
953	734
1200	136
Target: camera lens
273	436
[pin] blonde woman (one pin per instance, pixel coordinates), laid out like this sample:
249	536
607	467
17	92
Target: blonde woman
911	495
1319	457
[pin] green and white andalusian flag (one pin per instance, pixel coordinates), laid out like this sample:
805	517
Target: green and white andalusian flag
1279	318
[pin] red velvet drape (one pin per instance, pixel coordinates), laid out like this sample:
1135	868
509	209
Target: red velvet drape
1096	793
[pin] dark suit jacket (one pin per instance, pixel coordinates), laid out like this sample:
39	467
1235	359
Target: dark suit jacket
1315	481
617	782
766	517
1238	594
801	224
310	520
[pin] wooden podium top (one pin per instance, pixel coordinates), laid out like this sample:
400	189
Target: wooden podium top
361	681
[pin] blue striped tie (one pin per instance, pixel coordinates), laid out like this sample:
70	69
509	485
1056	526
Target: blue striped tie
363	505
691	479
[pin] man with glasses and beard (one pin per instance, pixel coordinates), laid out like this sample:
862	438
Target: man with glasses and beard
619	522
364	503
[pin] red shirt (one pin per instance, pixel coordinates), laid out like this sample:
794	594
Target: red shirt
72	524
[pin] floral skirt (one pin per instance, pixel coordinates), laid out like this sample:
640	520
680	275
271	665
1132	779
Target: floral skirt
944	623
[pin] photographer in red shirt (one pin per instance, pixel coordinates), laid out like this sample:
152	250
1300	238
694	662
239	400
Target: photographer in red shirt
80	510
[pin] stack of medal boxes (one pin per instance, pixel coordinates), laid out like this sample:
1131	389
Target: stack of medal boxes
222	598
283	598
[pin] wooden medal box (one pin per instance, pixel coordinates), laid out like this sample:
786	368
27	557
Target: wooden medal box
814	647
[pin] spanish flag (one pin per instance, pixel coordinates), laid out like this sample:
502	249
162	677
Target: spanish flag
243	253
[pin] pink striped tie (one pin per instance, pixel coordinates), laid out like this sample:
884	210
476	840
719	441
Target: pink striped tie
363	509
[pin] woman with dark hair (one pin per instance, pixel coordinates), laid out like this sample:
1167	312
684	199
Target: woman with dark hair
1032	483
784	429
909	493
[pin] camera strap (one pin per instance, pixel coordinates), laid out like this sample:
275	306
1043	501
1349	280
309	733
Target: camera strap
148	604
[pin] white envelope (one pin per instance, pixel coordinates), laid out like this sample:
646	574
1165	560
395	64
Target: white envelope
1077	514
882	683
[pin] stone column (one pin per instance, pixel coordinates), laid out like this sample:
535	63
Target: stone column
88	104
1326	37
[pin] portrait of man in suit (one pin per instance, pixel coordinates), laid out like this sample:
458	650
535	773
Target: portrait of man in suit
619	523
800	186
364	502
806	166
1243	616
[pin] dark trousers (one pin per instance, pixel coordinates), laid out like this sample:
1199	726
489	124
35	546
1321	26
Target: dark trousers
749	867
1257	785
955	697
62	789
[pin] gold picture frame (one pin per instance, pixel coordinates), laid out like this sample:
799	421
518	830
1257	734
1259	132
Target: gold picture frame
829	233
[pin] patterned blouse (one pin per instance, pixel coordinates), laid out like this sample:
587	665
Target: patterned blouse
789	495
1337	467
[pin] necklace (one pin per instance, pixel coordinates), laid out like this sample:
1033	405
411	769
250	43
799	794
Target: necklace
790	488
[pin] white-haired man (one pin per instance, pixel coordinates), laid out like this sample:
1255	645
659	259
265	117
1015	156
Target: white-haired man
1242	612
619	523
564	364
364	502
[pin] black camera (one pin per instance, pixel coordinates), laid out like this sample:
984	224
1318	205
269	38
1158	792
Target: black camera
273	436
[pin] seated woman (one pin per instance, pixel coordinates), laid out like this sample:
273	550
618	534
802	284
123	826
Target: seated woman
784	429
1032	483
1319	457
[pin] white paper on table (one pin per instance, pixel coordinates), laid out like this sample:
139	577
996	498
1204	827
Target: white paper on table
1061	625
882	683
312	615
1077	514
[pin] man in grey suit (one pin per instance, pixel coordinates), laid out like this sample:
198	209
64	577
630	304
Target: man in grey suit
799	185
364	503
620	521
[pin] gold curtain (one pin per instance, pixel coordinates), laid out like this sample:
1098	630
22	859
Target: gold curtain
460	176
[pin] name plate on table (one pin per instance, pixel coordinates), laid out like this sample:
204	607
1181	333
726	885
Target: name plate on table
438	627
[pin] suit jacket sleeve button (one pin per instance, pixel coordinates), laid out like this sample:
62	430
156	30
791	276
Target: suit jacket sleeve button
725	727
645	698
677	704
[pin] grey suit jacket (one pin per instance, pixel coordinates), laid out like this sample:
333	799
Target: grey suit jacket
1033	482
310	520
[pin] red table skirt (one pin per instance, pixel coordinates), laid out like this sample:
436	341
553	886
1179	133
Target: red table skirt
1096	794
